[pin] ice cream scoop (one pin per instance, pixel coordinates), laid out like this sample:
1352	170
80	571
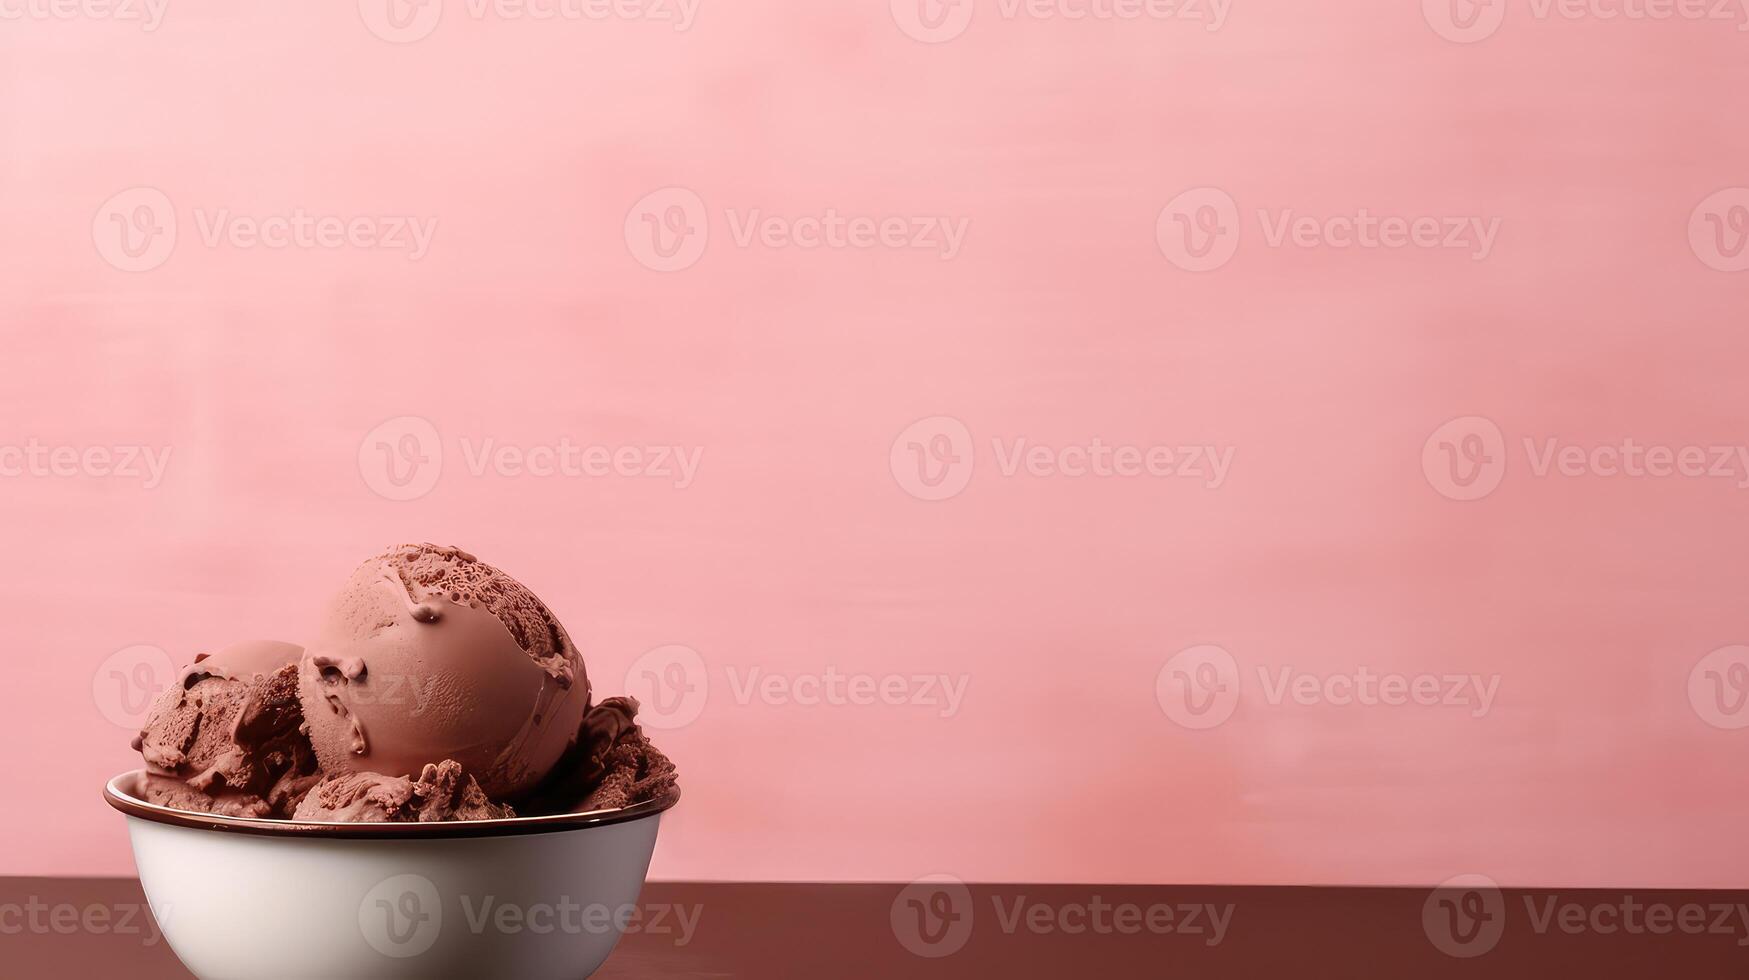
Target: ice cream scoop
442	792
430	655
225	738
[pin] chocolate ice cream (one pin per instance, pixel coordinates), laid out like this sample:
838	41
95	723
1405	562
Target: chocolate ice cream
225	738
442	792
429	654
611	765
438	688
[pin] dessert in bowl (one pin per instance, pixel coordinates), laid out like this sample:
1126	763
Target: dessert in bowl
530	898
427	790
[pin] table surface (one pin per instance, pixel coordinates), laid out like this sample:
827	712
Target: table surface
819	931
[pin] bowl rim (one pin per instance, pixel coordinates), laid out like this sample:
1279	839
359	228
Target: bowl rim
131	805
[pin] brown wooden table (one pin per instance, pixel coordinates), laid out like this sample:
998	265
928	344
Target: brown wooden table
95	928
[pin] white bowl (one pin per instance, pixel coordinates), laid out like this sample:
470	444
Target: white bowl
528	898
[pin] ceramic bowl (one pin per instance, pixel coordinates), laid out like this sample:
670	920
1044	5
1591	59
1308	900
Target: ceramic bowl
526	898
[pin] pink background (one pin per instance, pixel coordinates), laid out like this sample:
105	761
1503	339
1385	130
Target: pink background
1056	600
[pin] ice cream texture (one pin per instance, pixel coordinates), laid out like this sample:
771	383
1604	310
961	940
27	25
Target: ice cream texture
430	654
225	738
437	688
442	792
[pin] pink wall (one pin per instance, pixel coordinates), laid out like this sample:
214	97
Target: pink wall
1576	153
